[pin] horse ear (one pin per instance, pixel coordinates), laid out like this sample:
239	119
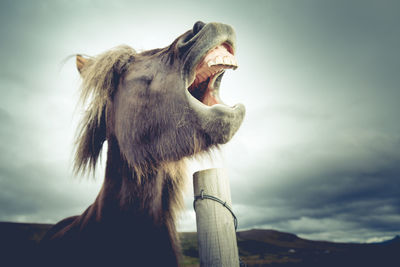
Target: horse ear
80	62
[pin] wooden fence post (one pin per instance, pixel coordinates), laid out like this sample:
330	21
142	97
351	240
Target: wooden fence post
216	232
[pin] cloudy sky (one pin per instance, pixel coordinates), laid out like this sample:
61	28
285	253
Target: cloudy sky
318	154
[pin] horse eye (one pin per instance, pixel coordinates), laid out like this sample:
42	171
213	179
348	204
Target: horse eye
144	80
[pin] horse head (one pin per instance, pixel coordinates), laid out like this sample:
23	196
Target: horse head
161	105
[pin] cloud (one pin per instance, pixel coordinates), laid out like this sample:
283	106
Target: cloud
323	190
35	186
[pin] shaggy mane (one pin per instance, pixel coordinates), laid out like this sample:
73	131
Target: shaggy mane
100	78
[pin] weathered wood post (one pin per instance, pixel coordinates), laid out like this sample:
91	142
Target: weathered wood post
216	232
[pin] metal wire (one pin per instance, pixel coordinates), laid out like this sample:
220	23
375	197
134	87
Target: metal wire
223	203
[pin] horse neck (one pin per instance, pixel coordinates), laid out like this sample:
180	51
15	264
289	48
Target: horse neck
128	216
122	193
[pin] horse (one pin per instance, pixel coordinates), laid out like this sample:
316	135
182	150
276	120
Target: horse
152	110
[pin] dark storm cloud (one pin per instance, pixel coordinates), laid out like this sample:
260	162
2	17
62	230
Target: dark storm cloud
349	190
32	188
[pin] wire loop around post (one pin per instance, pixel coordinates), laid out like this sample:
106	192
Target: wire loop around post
203	196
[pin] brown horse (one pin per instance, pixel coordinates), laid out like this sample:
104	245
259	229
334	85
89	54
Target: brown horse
154	109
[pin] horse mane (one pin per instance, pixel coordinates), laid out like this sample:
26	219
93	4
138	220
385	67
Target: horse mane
100	78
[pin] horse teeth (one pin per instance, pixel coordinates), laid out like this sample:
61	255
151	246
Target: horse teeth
227	61
211	63
218	60
234	63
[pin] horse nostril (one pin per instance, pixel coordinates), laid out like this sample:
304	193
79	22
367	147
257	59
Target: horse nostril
197	27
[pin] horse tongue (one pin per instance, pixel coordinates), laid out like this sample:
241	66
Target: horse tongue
209	98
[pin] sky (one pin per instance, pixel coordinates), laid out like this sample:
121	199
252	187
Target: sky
318	153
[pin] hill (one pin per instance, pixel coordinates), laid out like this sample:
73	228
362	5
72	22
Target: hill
256	248
273	248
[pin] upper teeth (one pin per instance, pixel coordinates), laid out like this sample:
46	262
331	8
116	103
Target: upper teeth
215	61
226	62
220	56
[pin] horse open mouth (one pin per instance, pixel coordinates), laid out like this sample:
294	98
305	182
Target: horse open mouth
209	72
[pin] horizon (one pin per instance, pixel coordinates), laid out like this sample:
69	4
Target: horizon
372	241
